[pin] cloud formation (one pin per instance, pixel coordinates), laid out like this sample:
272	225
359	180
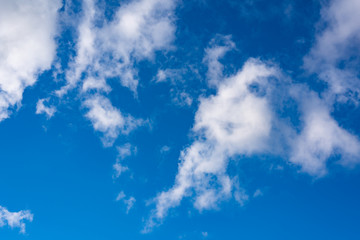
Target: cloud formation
15	219
128	201
111	50
41	108
108	120
248	116
217	49
27	46
333	56
236	121
138	29
321	138
124	151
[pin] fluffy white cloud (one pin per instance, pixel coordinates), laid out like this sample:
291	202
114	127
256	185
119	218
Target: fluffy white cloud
321	138
14	219
246	117
108	120
332	56
42	109
138	29
27	46
235	121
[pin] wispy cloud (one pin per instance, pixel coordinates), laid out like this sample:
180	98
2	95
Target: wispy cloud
219	46
124	151
138	29
336	44
41	108
233	122
108	120
110	50
128	201
321	137
177	79
15	219
247	116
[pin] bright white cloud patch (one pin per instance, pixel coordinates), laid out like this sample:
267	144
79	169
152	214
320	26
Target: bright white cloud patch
14	219
27	47
235	121
335	46
41	108
243	119
108	120
321	138
138	29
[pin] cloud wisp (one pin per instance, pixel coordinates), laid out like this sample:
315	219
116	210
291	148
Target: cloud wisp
333	56
108	120
41	108
127	201
138	29
124	151
111	50
235	121
15	219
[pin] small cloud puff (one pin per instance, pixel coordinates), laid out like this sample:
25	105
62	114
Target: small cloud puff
15	219
41	108
124	151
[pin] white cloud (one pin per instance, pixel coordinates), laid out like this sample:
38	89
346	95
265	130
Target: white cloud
177	79
119	169
14	219
42	109
27	46
321	138
108	120
336	44
95	84
219	46
181	98
258	193
169	75
244	118
124	151
138	29
235	121
129	202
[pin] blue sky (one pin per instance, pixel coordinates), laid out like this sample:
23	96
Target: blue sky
168	119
